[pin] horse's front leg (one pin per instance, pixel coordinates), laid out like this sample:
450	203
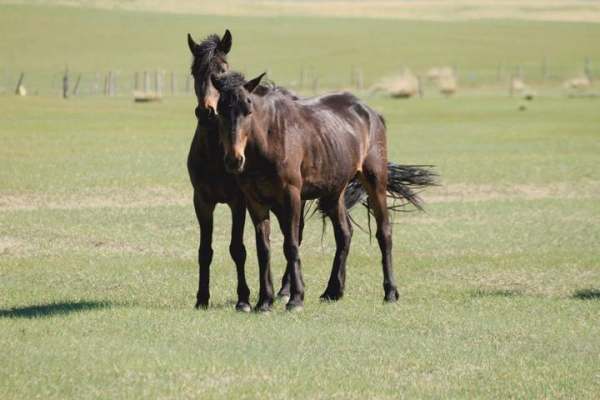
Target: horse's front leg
204	212
289	219
284	292
262	227
238	252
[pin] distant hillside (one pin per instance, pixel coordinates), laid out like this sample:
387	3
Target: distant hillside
547	10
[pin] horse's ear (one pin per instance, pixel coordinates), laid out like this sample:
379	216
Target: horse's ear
225	43
251	85
215	82
193	45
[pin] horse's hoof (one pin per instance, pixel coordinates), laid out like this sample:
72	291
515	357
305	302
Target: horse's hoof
391	296
263	308
293	307
243	307
327	296
201	305
284	298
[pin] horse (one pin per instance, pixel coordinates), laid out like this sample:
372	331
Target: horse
212	184
285	151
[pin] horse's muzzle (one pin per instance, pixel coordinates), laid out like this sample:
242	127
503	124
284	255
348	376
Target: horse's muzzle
234	165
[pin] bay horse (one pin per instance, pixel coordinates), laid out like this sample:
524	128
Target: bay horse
285	151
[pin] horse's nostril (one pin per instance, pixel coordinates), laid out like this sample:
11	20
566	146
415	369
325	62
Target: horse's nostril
234	164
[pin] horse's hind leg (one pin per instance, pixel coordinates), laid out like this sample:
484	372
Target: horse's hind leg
238	252
343	234
204	213
284	292
374	179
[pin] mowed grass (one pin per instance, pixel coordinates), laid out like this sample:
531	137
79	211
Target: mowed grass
499	278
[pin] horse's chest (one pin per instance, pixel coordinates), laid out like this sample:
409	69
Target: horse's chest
214	183
261	190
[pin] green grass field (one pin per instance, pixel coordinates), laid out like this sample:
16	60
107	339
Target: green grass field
499	278
327	48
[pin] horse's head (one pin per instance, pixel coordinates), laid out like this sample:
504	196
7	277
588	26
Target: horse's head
234	109
210	58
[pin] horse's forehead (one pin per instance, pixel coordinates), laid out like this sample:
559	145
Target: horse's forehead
208	61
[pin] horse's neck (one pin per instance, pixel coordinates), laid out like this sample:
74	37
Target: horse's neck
264	124
206	138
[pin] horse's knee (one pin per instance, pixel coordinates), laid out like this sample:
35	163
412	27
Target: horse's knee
291	252
238	252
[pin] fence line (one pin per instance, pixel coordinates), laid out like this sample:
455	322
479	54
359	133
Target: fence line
173	83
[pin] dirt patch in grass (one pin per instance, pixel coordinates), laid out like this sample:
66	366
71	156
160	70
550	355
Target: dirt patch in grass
162	196
109	198
9	245
474	193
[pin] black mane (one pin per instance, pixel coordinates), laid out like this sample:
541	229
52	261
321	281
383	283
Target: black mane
233	80
230	81
205	52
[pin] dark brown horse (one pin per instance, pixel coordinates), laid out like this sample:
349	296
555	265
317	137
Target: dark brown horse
285	151
212	184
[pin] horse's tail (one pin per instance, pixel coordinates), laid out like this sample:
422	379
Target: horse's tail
405	182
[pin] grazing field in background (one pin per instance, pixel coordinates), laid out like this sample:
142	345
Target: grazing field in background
484	52
499	278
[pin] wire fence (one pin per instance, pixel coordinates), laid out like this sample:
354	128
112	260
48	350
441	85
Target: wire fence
307	79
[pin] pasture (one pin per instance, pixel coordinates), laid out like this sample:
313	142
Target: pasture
499	279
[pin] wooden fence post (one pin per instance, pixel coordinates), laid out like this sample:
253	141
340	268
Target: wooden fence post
113	84
65	84
146	81
106	77
587	68
359	79
544	69
19	82
157	83
316	85
172	83
188	78
76	87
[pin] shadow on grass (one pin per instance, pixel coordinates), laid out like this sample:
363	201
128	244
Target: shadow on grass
53	309
587	294
496	293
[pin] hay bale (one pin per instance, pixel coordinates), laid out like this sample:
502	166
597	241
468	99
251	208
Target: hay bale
21	91
434	74
448	85
146	97
517	85
580	83
404	85
445	79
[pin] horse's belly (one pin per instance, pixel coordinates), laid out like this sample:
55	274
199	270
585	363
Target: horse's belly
216	188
